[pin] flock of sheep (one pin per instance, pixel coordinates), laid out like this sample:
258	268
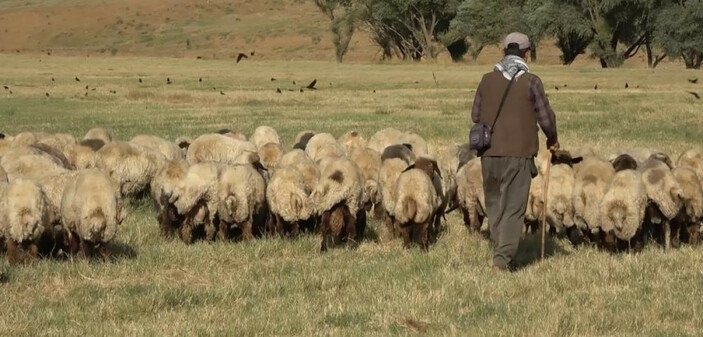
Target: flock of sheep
59	195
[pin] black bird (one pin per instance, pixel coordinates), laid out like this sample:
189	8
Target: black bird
301	90
374	91
6	87
272	79
278	91
113	92
86	94
311	86
199	58
693	80
565	85
92	89
695	94
86	87
241	56
47	94
200	80
222	93
168	80
556	88
140	80
53	80
596	87
293	82
10	92
627	85
253	52
77	79
48	53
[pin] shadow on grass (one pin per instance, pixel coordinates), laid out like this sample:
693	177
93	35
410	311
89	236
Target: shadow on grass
529	250
121	251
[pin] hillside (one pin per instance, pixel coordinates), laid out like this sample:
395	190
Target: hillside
211	29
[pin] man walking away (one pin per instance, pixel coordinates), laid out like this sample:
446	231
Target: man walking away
508	164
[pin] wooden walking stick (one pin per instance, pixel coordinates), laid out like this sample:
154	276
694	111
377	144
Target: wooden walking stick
545	192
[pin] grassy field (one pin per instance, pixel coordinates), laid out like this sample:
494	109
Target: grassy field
282	287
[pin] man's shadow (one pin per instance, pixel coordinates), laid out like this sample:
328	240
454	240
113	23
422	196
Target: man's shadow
530	248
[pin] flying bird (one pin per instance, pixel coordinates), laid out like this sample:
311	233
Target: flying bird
311	86
278	91
222	93
241	56
695	94
77	79
693	80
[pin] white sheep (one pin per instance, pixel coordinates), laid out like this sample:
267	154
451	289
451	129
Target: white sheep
286	195
622	209
470	196
417	202
215	148
299	160
263	135
241	201
162	188
270	155
387	181
338	199
92	211
323	145
691	214
31	163
196	198
130	166
25	217
384	138
352	140
170	150
590	183
99	133
664	195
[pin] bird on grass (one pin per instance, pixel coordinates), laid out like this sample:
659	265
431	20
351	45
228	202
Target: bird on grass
273	79
86	94
168	80
77	79
53	80
556	88
312	84
86	87
301	90
200	80
114	92
241	56
222	93
693	80
596	87
278	91
627	85
140	80
565	85
47	94
252	53
6	87
694	94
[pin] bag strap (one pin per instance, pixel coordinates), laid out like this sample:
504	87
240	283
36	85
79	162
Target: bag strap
502	102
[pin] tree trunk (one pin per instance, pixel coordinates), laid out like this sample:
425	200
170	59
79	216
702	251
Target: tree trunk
603	63
533	53
650	57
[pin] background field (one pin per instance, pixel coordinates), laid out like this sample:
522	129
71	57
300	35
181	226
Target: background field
282	287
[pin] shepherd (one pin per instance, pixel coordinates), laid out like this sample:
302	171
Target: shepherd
510	102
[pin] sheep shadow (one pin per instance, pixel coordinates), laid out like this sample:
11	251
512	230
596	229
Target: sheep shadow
530	247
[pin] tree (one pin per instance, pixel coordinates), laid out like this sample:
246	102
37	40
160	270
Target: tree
678	32
566	22
343	17
410	28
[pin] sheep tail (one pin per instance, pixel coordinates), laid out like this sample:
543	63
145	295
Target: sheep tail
617	214
409	208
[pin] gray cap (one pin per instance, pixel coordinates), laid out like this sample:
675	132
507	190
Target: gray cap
521	39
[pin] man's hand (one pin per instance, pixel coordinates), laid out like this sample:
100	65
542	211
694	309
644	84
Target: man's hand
554	147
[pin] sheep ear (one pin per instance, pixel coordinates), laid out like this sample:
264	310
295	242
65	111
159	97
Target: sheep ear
409	146
409	168
258	166
576	160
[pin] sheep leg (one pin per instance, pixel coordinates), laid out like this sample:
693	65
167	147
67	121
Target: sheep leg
675	233
421	235
693	234
278	228
104	251
405	234
294	229
325	231
467	218
86	249
72	243
247	233
210	230
222	230
14	253
187	231
361	222
667	234
609	241
350	229
390	229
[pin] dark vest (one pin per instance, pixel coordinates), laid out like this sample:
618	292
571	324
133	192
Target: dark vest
515	132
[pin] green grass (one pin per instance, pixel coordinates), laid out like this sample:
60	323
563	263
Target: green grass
283	287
